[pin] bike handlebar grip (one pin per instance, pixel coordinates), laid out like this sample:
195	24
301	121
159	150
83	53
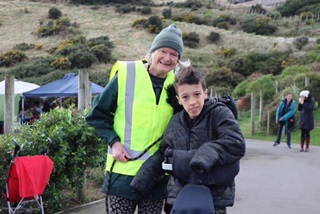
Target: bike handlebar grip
49	145
16	148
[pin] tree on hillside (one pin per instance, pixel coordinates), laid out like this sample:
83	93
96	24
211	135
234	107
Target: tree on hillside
291	7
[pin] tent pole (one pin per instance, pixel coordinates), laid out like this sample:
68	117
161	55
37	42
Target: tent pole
22	110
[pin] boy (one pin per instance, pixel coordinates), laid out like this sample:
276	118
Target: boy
199	139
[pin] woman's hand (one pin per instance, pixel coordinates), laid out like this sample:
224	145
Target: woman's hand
119	153
301	100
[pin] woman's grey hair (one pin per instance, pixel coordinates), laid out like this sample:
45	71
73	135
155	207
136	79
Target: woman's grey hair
180	64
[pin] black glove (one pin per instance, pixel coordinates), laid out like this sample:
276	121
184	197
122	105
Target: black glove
168	154
197	168
172	99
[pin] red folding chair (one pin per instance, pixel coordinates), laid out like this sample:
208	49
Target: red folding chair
27	179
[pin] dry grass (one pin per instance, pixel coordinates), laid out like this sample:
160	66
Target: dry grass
20	19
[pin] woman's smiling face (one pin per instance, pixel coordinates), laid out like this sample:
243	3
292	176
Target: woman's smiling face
163	60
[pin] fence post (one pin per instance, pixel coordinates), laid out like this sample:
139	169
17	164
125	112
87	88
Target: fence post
268	123
253	104
260	106
9	103
84	90
306	82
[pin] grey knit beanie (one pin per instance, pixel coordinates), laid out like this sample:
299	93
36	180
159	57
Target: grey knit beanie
169	37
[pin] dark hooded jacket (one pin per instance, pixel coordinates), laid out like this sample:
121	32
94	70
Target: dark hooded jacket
212	141
306	116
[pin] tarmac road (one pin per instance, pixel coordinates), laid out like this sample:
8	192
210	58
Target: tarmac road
272	180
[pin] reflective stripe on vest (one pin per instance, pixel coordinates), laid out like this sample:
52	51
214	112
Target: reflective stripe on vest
138	120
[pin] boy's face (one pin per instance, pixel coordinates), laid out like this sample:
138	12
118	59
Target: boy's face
192	98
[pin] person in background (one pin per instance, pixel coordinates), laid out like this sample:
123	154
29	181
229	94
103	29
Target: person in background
36	111
46	106
306	124
199	138
284	114
130	115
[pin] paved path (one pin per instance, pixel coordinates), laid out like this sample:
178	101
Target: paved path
273	180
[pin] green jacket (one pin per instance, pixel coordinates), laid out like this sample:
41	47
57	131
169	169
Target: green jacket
102	119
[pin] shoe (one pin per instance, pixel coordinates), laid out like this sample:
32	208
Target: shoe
307	150
301	150
289	146
275	144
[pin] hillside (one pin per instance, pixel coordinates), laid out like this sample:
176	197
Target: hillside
235	56
20	20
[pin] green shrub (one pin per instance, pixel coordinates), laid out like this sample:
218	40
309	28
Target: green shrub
154	24
102	53
146	10
101	40
300	42
33	68
124	8
260	25
178	17
82	53
295	70
265	63
191	40
226	19
190	4
167	13
140	23
274	14
240	89
60	26
11	58
49	77
226	52
24	46
213	37
100	77
265	84
222	77
61	63
82	58
54	13
222	25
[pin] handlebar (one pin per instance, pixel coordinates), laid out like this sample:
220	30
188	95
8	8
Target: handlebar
49	141
16	148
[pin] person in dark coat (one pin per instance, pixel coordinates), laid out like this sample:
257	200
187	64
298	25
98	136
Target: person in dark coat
200	140
306	105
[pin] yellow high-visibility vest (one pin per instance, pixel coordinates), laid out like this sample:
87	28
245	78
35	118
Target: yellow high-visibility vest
138	120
